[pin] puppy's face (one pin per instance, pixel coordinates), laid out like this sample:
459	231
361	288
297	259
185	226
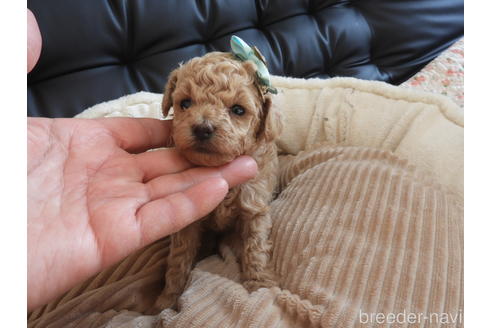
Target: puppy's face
219	113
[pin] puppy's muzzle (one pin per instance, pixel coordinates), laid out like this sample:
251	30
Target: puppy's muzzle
203	132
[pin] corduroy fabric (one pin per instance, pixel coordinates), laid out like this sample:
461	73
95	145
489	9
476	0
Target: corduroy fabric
356	230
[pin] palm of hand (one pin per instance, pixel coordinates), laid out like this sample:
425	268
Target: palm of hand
90	202
91	190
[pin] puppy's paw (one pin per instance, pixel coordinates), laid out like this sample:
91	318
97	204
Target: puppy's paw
162	303
252	285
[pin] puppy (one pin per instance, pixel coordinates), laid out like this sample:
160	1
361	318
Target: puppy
220	113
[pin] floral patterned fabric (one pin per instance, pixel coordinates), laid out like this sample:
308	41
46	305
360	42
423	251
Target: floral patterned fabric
443	75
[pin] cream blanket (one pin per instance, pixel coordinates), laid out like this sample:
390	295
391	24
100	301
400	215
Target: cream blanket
367	224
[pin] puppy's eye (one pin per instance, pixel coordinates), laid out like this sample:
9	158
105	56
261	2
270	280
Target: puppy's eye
185	103
238	110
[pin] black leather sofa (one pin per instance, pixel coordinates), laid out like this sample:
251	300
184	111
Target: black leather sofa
97	50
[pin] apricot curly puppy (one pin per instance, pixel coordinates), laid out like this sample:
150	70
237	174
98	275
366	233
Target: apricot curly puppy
220	113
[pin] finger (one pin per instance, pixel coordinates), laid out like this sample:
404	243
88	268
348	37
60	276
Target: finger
238	171
138	134
162	161
167	215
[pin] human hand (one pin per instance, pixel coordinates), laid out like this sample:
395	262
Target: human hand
34	41
94	195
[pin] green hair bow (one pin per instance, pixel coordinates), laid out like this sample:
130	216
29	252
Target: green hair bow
244	52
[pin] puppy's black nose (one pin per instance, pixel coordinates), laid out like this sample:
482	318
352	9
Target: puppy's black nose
203	132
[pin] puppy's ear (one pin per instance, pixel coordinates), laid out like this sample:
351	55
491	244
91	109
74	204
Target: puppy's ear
271	122
167	100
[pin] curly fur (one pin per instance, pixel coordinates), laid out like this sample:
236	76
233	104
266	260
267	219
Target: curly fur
214	83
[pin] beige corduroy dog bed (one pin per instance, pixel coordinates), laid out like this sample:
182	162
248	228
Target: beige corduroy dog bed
367	227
